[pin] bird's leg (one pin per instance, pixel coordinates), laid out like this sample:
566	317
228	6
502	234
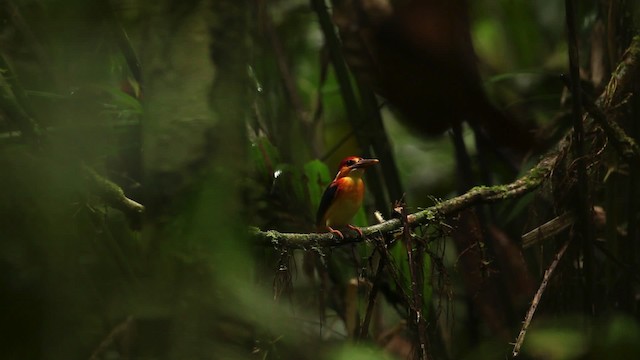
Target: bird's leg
336	232
356	229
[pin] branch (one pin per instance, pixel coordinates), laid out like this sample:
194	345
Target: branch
622	81
624	78
373	294
475	196
537	298
551	228
623	143
112	194
416	272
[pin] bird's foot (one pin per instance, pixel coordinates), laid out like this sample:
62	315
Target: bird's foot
338	233
357	229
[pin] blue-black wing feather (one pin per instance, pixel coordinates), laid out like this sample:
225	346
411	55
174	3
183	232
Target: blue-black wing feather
327	199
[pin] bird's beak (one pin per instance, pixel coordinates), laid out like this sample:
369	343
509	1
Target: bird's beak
364	163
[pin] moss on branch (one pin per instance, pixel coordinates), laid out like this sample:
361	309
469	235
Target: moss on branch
624	81
478	195
111	193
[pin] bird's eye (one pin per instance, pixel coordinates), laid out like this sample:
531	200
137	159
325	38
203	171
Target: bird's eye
350	162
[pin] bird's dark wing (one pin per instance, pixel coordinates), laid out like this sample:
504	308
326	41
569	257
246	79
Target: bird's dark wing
327	199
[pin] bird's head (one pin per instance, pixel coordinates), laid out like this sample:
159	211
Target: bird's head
354	166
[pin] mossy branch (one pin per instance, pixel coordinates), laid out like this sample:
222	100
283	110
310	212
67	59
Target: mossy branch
112	194
622	81
478	195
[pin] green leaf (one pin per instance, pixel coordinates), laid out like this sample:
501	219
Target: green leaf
318	177
123	100
264	157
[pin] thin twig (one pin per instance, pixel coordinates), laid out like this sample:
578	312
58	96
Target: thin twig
415	271
537	298
373	294
393	270
117	332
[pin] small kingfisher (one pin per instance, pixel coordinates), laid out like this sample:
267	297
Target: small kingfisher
343	197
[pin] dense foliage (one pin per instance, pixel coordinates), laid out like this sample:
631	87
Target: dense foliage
147	148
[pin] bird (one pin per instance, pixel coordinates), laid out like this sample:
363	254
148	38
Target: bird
343	197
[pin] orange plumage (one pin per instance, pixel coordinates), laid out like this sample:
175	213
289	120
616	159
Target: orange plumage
343	197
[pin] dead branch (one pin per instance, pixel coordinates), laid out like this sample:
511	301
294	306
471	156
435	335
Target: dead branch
373	294
549	229
537	297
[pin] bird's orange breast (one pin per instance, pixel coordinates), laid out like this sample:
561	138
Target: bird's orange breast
347	202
